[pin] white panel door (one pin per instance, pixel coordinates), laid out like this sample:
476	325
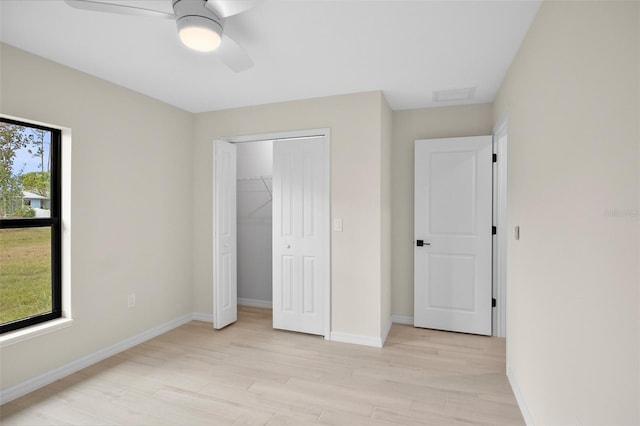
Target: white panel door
300	235
452	251
225	299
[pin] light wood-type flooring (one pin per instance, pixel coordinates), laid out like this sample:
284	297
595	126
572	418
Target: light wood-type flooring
250	374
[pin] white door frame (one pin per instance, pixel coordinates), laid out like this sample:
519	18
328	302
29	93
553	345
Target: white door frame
500	212
297	134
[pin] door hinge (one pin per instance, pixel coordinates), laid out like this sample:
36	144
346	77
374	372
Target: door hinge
495	158
494	230
493	302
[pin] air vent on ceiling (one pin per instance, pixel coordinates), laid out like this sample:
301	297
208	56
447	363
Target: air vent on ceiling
465	94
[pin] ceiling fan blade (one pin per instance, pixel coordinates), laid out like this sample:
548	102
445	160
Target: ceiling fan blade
234	56
98	6
226	8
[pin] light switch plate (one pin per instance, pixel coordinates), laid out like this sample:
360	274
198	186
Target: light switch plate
337	225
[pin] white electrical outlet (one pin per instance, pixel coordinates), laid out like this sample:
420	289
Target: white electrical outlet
131	300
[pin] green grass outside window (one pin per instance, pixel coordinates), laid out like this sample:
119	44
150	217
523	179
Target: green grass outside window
25	273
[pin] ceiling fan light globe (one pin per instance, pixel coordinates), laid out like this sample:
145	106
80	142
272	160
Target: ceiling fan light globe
198	28
199	38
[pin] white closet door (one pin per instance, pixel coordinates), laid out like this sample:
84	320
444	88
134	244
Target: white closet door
452	255
225	239
300	235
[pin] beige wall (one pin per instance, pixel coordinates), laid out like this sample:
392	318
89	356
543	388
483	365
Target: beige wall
355	123
131	192
573	314
408	126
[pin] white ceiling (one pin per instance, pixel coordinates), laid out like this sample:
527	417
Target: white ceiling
301	49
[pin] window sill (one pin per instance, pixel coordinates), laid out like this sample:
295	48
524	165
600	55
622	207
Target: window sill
34	331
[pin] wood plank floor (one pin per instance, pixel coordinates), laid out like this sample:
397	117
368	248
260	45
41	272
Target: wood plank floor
250	374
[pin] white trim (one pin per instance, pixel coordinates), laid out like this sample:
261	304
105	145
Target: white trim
500	142
66	221
327	172
355	339
197	316
522	404
27	333
402	319
385	331
254	303
214	238
37	382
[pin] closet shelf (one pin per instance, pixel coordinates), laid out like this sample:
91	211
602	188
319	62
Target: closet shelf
256	178
266	186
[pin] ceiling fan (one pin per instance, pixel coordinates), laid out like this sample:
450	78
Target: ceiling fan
200	24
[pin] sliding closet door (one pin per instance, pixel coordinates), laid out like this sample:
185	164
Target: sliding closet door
300	235
225	256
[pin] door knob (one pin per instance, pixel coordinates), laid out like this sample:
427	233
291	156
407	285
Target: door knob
421	243
287	246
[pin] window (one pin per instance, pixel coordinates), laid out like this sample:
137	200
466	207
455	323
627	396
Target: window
30	224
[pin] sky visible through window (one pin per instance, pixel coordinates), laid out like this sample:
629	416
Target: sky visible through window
28	159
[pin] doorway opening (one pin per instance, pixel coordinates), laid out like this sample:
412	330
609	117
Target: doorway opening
272	228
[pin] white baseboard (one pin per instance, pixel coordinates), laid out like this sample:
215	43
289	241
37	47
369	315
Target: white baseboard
385	331
31	385
255	303
402	319
197	316
355	339
522	404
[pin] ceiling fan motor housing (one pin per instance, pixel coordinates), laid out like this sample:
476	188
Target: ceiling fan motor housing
194	13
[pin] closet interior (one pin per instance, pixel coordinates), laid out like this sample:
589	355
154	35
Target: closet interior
254	222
